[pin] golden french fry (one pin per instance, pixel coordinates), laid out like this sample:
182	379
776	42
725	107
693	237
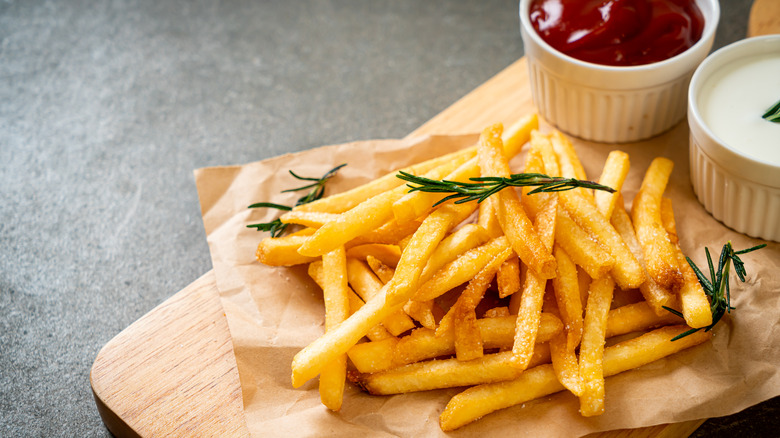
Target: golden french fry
568	298
636	317
565	365
313	219
335	294
658	251
569	162
508	277
654	294
487	218
541	381
496	312
531	299
613	175
447	373
627	271
513	219
423	344
282	251
592	346
694	304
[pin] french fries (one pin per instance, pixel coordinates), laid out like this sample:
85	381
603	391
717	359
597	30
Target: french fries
409	287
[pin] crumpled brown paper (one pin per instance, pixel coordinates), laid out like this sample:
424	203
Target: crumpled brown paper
274	312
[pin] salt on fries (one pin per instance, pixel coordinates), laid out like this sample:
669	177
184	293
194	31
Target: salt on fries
405	275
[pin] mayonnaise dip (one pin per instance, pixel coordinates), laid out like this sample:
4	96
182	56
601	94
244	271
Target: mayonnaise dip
733	100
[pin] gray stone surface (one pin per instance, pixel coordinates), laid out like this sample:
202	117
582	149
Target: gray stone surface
106	107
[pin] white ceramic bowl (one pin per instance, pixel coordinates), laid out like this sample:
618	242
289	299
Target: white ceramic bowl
607	103
737	188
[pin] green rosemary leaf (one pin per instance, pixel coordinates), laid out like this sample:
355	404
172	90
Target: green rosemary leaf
773	113
481	188
276	227
717	287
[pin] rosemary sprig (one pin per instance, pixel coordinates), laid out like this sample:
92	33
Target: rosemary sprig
773	113
717	286
276	227
485	186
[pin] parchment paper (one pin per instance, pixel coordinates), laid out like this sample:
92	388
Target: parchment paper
274	312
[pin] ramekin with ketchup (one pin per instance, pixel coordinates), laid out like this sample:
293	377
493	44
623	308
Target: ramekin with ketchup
615	70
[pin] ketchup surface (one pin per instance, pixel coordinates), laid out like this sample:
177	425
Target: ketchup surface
618	32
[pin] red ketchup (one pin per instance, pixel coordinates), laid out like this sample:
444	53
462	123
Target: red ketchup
618	32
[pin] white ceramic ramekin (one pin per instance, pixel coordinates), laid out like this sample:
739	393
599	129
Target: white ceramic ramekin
607	103
740	191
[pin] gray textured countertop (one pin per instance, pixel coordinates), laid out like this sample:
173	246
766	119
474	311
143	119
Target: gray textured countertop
107	107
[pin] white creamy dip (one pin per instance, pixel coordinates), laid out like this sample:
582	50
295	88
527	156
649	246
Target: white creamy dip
733	100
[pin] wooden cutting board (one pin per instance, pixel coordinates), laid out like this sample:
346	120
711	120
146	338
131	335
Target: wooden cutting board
173	372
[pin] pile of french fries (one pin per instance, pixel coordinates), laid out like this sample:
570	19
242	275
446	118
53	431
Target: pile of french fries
515	297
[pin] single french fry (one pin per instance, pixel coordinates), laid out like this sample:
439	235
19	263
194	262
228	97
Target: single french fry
562	356
569	162
282	251
627	271
532	297
367	286
341	202
313	219
658	251
487	218
508	277
612	175
694	304
541	381
636	317
496	332
387	254
461	269
513	219
654	294
335	294
568	298
592	346
376	333
565	365
447	373
308	362
581	247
